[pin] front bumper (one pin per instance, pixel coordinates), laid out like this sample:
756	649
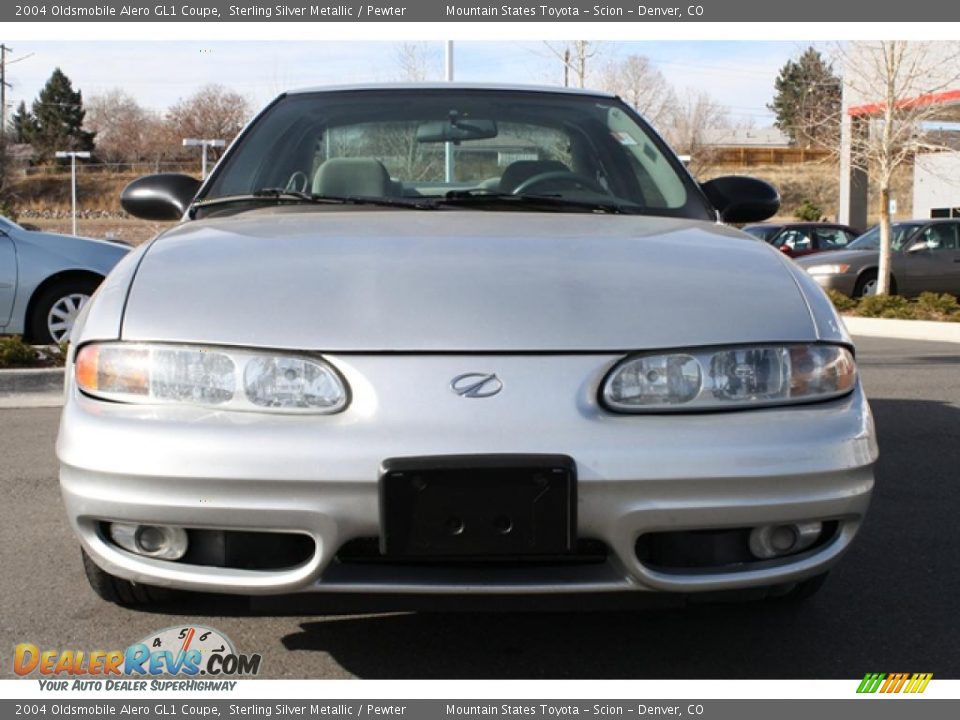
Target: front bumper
318	476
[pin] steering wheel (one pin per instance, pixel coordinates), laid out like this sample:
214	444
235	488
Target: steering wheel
560	176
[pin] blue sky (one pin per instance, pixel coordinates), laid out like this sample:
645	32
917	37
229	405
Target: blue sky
738	74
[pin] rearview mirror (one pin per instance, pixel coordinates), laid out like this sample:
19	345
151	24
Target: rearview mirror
164	196
456	129
741	199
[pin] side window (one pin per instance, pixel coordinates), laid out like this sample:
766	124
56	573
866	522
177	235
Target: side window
832	238
941	237
955	236
795	240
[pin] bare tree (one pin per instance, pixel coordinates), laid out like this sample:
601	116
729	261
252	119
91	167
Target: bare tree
575	57
125	131
693	116
897	83
637	80
213	112
415	62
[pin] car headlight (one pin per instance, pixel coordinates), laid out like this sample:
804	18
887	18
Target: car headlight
222	378
729	378
832	269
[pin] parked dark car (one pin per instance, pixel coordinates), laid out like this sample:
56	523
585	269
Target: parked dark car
799	239
926	257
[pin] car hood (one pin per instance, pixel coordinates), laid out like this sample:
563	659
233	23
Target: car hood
67	244
834	257
407	280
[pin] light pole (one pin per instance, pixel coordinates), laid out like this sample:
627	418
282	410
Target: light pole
73	155
194	142
448	76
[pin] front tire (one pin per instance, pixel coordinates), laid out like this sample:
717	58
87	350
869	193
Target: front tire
123	592
867	285
56	309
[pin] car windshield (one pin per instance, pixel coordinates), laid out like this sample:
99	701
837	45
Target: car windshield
429	148
870	240
762	232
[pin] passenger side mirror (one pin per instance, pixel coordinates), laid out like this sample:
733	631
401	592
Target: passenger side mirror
164	196
741	199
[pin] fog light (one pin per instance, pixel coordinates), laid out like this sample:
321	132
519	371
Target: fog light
770	541
158	541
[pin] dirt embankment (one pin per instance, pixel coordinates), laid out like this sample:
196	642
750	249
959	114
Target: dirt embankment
43	201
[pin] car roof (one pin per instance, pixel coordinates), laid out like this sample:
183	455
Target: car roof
506	87
799	223
926	221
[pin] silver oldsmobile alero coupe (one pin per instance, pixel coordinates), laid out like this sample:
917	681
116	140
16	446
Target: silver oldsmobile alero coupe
459	339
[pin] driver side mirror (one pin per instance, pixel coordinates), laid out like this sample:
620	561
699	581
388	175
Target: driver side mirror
741	199
164	196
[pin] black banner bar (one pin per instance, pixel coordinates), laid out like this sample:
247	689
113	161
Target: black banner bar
327	709
470	11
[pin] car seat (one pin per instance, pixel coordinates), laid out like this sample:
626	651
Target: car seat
352	177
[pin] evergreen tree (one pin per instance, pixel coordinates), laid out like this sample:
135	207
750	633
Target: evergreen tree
58	119
21	125
807	101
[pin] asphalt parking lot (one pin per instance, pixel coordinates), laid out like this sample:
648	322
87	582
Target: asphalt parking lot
891	605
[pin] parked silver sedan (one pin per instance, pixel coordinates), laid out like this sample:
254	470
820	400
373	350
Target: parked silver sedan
458	339
46	278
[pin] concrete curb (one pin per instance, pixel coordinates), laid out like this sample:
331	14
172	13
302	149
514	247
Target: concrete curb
31	380
903	329
34	387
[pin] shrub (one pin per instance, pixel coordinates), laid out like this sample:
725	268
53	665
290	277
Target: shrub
935	304
885	306
808	212
7	210
840	301
14	352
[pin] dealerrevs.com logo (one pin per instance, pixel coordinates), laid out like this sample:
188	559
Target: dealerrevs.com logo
911	683
179	652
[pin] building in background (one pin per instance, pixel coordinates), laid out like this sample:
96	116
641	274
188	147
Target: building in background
936	187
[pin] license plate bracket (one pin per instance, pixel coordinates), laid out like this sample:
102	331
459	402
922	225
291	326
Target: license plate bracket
478	506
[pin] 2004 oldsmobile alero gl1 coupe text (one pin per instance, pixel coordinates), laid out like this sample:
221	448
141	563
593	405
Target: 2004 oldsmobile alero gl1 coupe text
458	339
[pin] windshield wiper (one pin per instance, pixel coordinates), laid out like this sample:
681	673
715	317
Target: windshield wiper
474	197
298	196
